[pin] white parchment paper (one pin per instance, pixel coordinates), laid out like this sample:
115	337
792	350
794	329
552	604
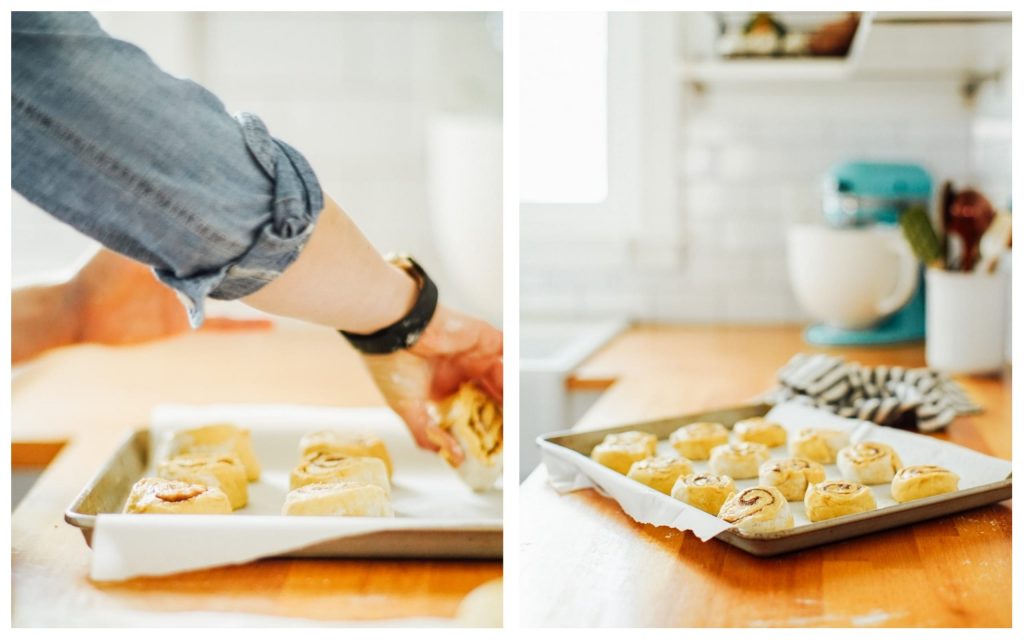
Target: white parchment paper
426	493
571	471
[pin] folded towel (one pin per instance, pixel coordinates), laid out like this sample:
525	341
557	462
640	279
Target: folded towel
922	398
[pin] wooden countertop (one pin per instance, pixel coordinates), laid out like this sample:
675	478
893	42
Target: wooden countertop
81	401
585	563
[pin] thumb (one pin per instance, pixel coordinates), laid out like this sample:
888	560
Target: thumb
422	424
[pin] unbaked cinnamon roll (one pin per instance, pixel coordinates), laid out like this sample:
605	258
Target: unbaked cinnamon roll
818	445
706	491
695	441
790	476
660	472
156	495
224	472
331	467
868	462
346	444
338	499
759	430
475	421
757	510
739	460
216	440
921	481
834	498
619	451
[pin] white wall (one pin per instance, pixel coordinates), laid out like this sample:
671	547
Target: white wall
750	159
354	92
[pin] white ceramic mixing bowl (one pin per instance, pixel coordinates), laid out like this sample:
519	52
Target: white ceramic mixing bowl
850	278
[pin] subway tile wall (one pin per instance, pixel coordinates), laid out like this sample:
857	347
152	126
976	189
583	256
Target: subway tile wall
750	162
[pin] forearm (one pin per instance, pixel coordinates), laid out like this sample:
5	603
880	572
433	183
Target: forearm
339	280
42	318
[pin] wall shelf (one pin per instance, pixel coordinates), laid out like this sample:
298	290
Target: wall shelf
969	48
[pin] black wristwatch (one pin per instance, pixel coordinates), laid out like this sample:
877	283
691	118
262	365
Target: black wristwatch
404	333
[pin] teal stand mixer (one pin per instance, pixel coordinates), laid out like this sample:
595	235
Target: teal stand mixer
861	194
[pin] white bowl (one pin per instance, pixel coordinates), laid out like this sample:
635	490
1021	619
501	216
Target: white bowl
850	278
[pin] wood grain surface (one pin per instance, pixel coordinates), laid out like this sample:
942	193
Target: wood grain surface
585	563
82	401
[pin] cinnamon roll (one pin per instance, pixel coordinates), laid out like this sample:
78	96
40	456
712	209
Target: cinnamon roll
818	445
224	472
475	421
757	510
921	481
790	476
619	451
332	467
739	460
695	441
834	498
868	462
759	430
346	444
215	440
156	495
706	491
338	499
660	473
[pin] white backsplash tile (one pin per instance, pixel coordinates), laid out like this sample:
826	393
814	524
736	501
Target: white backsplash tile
750	165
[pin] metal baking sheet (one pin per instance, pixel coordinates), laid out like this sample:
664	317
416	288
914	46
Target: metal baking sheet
108	490
809	535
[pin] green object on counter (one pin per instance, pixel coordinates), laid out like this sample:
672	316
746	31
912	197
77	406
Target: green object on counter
920	234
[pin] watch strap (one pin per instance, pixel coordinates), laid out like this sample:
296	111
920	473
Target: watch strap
405	332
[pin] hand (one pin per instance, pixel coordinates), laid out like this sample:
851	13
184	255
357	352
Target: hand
454	348
118	301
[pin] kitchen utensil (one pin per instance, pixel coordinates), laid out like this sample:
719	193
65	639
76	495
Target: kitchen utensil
920	235
967	215
994	242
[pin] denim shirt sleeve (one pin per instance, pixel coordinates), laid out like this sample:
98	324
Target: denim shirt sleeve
151	165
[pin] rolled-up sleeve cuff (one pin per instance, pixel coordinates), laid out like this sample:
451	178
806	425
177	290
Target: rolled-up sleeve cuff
296	204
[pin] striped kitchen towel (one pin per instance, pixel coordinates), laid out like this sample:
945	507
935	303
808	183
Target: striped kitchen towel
918	398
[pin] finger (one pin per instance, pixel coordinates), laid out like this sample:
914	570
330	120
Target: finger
234	324
450	448
419	423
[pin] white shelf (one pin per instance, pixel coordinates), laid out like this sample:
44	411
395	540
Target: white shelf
767	70
884	48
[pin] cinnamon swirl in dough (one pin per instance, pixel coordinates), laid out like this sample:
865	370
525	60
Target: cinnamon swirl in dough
739	460
215	440
759	430
834	498
695	441
757	510
921	481
660	473
224	472
338	499
332	467
868	462
818	445
706	491
346	444
619	451
156	495
475	421
790	476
